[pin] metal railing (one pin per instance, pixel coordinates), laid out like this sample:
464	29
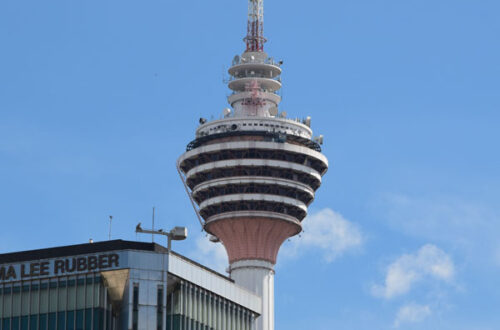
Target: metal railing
240	60
255	75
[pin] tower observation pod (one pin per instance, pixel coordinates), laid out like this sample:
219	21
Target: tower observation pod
253	173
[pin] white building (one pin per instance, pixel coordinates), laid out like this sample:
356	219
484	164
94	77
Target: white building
118	285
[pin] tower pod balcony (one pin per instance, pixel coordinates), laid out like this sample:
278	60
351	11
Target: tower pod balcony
265	84
253	202
253	124
253	168
252	194
253	185
254	150
241	96
252	68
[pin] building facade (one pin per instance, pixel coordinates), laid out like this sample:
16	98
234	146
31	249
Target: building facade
118	285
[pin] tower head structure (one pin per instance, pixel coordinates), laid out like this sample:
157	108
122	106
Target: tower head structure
254	172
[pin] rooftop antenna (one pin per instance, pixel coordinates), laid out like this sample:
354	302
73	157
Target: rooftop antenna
153	221
110	220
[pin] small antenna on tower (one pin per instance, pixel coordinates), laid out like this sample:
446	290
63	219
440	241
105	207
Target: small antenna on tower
110	220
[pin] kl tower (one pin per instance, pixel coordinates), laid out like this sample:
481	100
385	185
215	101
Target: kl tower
252	174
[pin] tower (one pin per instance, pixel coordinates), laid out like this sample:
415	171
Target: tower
254	172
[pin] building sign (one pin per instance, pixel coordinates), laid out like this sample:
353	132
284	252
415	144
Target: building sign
58	267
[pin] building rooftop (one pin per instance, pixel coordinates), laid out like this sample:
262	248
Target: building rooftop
91	248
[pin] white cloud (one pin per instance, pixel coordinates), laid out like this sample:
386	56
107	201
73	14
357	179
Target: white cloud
212	255
412	313
327	231
429	261
463	224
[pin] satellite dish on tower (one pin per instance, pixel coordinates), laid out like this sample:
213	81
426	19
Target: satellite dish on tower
273	111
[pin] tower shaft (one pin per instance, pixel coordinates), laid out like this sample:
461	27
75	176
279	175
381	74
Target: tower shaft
258	277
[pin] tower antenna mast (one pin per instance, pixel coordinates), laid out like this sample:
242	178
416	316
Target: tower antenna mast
255	27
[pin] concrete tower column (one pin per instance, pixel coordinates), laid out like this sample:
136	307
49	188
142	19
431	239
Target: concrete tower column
258	277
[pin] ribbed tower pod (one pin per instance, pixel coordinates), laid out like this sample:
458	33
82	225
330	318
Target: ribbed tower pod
253	173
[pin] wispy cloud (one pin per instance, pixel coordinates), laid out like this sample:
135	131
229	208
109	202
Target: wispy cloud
441	219
428	262
212	255
468	227
327	231
412	313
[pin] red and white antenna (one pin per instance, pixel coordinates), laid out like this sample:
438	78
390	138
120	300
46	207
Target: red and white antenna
255	30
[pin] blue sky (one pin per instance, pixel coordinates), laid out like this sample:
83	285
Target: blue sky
99	98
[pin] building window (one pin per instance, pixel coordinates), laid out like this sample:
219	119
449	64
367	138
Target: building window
79	319
159	308
70	320
15	322
135	306
52	321
61	319
43	322
34	322
88	319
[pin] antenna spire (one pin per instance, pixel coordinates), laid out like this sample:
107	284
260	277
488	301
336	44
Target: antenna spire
255	29
110	220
